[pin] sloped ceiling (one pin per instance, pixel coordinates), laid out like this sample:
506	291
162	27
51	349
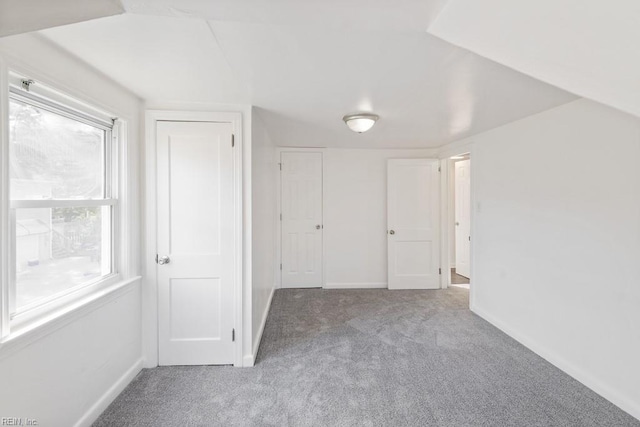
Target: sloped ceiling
22	16
306	63
589	47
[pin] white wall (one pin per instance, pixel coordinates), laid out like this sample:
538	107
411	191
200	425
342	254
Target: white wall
263	172
355	215
68	373
557	241
72	374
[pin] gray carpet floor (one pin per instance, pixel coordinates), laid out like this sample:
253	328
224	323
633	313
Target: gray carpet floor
369	358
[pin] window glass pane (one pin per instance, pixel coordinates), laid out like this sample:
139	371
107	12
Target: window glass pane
54	157
60	248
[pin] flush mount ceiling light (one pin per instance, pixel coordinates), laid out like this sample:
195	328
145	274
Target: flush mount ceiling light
360	122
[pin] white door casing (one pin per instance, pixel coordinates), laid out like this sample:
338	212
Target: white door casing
413	217
195	230
463	217
301	220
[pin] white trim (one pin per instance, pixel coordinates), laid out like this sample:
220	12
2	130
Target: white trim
239	231
248	361
278	257
279	151
445	247
612	395
52	101
258	339
474	236
5	232
455	148
123	208
54	203
39	309
363	285
445	153
109	396
149	313
150	285
16	65
69	313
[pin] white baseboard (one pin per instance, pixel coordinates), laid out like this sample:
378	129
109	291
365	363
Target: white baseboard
604	390
364	285
250	359
109	396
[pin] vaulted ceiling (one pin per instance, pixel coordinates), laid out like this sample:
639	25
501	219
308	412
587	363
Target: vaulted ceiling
306	63
589	47
21	16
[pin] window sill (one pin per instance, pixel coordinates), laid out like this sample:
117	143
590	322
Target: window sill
58	319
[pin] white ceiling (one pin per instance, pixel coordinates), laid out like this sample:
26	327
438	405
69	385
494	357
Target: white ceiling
21	16
589	47
373	15
307	63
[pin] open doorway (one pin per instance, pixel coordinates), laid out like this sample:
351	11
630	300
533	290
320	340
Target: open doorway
460	220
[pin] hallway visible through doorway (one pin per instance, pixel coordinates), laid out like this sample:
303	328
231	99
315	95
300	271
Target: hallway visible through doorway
458	280
459	220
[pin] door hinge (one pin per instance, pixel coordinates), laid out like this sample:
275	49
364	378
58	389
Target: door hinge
439	169
439	271
233	140
280	164
156	258
233	335
280	266
280	217
469	238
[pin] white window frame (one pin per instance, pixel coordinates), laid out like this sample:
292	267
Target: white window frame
12	322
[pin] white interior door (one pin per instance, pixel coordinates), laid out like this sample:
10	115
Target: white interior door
195	234
302	230
413	216
463	217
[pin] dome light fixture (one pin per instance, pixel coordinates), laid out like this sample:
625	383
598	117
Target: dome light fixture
360	122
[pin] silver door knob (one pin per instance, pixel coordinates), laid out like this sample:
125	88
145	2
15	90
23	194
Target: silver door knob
318	227
392	232
164	260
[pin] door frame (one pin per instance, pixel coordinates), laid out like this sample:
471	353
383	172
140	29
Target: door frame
150	310
454	215
446	165
279	151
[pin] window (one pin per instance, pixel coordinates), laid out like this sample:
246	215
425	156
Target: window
62	201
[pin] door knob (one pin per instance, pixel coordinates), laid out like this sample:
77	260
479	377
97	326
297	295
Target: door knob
392	232
164	260
318	227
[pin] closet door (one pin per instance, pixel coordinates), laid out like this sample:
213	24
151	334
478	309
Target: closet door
302	230
413	215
